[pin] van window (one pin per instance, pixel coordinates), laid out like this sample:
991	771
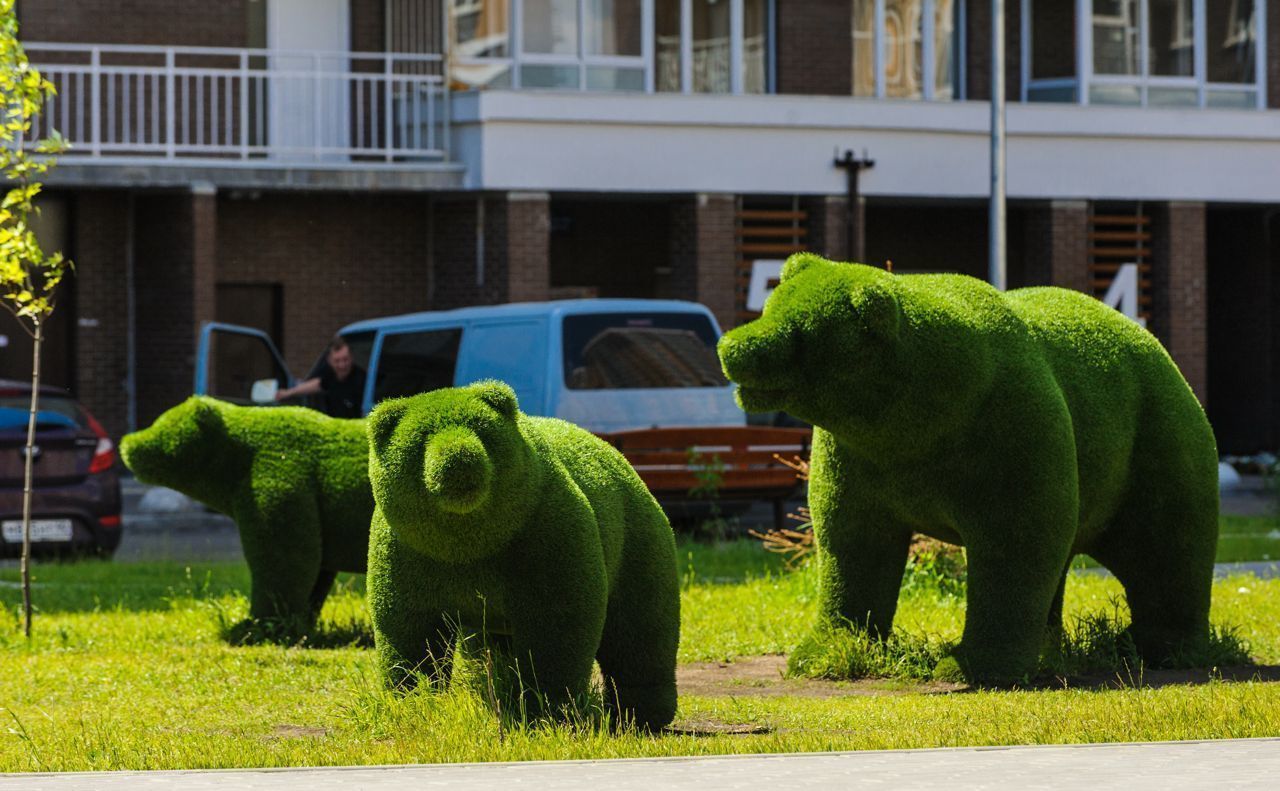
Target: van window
514	352
416	362
634	350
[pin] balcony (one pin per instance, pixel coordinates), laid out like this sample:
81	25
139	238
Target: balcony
225	111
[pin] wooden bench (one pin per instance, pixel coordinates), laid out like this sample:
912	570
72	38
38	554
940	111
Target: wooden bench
678	463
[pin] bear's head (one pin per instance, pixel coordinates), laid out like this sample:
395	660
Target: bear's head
825	346
180	447
451	470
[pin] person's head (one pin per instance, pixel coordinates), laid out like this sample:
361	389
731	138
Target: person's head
340	358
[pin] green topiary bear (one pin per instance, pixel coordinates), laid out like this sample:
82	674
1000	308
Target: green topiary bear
522	527
1028	426
295	481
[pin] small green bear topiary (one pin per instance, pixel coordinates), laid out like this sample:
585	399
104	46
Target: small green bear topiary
1028	426
525	528
295	481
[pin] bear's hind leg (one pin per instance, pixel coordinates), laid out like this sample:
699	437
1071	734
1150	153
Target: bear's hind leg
637	652
1167	579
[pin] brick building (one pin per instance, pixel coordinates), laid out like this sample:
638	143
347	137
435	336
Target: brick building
300	164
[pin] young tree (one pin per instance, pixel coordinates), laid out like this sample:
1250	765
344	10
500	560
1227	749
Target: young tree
28	277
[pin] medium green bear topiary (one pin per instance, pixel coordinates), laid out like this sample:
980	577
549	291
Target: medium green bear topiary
520	527
1028	426
295	481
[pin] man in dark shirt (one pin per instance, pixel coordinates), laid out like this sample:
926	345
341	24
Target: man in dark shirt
336	379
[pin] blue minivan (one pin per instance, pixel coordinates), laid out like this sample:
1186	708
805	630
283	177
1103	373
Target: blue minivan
606	364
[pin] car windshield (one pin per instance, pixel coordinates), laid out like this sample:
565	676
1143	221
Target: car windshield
55	412
609	351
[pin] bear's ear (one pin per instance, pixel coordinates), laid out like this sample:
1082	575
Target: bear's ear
206	413
879	309
498	395
797	263
384	418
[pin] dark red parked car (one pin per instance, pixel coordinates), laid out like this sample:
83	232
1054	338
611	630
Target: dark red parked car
75	498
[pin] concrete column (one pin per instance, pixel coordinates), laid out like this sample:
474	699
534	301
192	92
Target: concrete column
1057	245
716	256
1179	315
528	246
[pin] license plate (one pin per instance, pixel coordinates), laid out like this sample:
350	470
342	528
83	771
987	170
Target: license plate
41	530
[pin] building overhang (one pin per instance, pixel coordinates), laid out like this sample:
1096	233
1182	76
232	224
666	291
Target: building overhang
552	141
144	173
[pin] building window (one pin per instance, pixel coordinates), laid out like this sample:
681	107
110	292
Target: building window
906	49
691	46
1161	53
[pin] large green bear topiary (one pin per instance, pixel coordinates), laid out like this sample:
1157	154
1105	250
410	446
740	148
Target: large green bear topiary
1028	426
295	481
524	528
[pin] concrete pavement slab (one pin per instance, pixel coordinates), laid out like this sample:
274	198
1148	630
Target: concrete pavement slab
1233	763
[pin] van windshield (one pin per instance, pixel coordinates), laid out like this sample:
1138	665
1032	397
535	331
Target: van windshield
608	351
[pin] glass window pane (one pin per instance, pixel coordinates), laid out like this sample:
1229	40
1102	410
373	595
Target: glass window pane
1053	39
1171	38
755	46
903	56
416	362
1115	94
1056	93
711	46
1231	36
479	28
1172	97
864	48
612	27
640	350
945	69
1238	99
610	78
540	76
481	75
667	43
1116	41
550	27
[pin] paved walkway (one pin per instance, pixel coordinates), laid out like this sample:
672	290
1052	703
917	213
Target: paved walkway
1234	764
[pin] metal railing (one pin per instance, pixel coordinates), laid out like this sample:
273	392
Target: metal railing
257	106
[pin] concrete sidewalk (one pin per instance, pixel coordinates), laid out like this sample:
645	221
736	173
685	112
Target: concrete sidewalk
1234	764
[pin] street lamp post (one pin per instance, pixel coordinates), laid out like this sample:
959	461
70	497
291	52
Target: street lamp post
997	266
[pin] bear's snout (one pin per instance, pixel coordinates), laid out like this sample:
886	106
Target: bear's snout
457	470
759	357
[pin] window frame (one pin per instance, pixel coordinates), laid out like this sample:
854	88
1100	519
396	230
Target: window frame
1086	79
645	62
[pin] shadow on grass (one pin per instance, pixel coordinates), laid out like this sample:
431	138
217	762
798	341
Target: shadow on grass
347	634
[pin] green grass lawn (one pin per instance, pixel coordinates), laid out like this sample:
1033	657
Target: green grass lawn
128	670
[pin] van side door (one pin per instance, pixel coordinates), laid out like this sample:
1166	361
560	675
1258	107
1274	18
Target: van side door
412	361
239	364
513	351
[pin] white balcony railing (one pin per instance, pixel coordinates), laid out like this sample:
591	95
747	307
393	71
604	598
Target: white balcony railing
256	106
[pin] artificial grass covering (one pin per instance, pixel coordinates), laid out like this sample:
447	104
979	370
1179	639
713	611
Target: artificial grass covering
527	530
1029	426
296	483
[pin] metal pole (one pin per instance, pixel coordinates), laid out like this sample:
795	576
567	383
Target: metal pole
996	264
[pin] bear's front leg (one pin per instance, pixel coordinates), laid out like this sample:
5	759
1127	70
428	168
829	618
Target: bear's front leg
280	535
862	547
556	601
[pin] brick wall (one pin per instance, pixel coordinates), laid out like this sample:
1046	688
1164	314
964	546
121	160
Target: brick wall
100	228
339	258
368	26
978	50
528	246
815	47
717	260
177	22
682	252
1179	305
828	227
1057	245
1273	53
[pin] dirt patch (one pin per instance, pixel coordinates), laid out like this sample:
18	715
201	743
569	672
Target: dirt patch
763	676
297	732
1164	678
